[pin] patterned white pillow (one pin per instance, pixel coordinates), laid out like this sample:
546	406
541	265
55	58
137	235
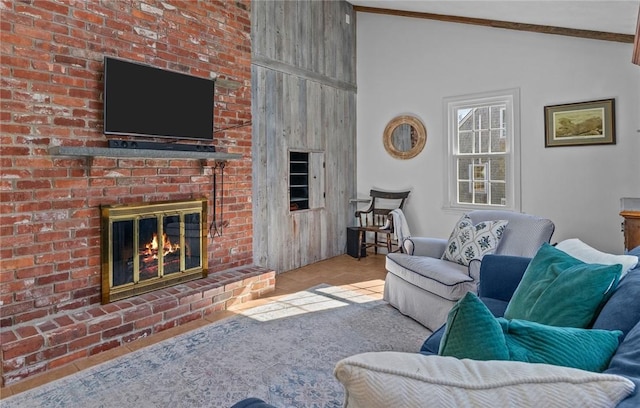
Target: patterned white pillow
468	242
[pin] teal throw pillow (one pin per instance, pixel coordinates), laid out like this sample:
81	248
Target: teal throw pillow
472	332
560	290
532	342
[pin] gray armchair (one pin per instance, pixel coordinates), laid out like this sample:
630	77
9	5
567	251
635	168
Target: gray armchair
425	287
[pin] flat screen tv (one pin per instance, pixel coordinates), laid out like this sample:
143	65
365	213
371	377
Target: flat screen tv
141	100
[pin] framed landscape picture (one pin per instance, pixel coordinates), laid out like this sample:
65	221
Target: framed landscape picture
577	124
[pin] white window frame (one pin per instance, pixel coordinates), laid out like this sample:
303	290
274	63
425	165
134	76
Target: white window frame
509	97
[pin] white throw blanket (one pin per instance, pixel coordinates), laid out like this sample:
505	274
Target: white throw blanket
400	226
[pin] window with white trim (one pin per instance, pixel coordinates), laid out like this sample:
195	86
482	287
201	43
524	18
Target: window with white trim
483	154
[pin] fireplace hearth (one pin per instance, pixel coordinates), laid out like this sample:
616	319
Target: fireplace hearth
147	246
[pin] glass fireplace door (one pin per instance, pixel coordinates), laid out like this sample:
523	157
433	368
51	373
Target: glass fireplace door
150	246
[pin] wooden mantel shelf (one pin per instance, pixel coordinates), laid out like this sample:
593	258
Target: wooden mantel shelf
139	153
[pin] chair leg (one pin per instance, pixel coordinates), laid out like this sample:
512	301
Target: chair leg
360	236
375	240
388	243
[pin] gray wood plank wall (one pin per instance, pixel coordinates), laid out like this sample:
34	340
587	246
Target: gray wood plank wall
303	98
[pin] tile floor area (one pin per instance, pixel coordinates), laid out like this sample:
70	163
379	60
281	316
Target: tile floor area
365	276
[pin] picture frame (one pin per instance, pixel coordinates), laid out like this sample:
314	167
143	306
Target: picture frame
579	124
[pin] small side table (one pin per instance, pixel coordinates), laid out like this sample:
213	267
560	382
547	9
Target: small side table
630	211
631	229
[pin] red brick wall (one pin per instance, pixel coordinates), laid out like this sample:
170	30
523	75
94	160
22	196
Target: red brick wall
51	87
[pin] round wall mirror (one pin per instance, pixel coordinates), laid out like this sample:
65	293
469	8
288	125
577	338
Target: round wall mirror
404	137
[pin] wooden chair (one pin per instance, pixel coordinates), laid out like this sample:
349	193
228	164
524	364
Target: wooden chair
377	219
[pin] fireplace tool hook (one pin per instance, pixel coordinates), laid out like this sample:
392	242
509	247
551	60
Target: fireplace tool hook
215	226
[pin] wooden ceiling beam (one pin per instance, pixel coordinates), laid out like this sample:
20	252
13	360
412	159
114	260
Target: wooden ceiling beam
636	45
536	28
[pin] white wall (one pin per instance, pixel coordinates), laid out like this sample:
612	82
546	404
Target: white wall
407	66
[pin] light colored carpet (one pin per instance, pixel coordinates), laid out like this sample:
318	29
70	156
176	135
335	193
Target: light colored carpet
283	352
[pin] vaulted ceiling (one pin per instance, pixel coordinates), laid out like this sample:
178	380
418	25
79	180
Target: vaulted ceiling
611	16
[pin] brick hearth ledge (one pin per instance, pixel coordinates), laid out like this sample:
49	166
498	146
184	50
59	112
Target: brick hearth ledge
39	345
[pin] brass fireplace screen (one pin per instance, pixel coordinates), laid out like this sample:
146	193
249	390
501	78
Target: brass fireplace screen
148	246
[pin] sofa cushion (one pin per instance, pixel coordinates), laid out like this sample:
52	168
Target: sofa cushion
432	344
500	276
560	290
472	332
394	379
626	362
622	310
448	280
524	233
587	254
469	241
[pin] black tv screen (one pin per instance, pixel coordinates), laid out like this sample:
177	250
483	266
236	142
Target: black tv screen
145	101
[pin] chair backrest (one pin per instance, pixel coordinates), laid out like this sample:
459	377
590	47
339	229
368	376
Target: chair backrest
382	203
524	234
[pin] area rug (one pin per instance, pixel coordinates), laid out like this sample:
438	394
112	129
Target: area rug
283	352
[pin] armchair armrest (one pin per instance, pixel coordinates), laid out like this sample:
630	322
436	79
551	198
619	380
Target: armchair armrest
422	246
365	211
500	275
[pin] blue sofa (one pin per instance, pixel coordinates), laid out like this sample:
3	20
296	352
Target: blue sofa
499	277
384	379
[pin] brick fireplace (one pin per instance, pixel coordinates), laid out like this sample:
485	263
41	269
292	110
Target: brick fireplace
50	221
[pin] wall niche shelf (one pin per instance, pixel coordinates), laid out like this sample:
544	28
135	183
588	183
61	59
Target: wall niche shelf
298	181
139	153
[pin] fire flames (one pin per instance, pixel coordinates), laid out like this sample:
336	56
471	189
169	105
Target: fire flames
167	248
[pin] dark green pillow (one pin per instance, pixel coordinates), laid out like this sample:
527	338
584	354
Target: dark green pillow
472	332
532	342
560	290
